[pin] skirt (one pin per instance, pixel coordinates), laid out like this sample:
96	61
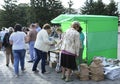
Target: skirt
68	61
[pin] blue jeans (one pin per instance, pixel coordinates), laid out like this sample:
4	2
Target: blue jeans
32	50
19	56
40	55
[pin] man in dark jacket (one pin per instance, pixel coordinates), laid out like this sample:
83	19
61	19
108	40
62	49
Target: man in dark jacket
8	46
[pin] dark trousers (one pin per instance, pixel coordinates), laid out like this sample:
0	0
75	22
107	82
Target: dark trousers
40	55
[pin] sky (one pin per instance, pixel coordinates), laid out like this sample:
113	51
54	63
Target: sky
77	3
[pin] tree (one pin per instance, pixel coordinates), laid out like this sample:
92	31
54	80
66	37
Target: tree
1	18
41	11
21	14
13	13
112	8
99	8
45	10
88	7
94	8
7	17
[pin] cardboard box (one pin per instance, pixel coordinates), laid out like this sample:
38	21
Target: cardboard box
53	57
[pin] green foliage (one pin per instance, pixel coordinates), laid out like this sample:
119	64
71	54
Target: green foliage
7	15
88	8
99	8
112	8
13	13
21	13
45	10
41	11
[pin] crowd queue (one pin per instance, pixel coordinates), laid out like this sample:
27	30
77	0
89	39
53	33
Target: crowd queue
71	43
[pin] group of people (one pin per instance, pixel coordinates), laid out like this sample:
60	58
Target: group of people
39	44
14	44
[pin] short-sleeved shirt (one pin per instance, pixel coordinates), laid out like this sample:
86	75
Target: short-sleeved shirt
18	39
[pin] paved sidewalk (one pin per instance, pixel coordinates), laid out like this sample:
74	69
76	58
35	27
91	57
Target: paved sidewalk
28	77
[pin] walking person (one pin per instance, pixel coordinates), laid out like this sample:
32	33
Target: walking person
70	50
2	34
17	39
8	46
32	37
42	46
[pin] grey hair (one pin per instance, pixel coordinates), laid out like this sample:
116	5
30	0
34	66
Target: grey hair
10	29
75	23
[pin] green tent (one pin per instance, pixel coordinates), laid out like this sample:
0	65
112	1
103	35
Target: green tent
101	33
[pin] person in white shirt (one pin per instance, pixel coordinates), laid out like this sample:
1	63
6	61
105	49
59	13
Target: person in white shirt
42	46
17	39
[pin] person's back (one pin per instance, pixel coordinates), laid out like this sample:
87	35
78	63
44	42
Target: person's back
18	40
32	35
32	38
70	41
8	46
6	42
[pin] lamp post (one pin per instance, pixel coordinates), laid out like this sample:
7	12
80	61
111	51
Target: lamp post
70	3
118	11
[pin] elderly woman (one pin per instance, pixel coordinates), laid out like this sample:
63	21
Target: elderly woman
17	39
42	46
70	50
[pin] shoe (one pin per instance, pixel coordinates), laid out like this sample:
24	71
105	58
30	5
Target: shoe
47	72
30	61
16	76
23	70
36	71
7	65
63	77
68	80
